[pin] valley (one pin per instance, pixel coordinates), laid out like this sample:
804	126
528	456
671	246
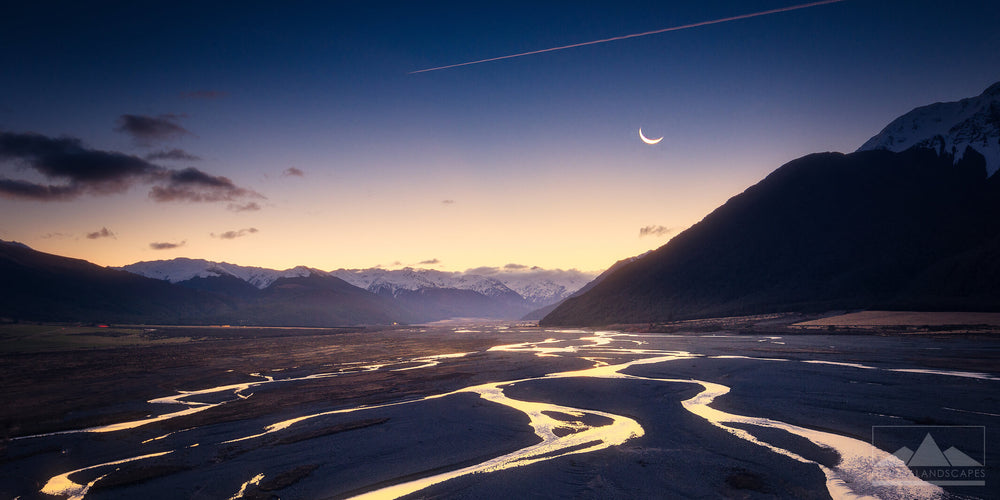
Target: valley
501	250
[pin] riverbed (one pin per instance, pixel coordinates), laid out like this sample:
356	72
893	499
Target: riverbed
489	411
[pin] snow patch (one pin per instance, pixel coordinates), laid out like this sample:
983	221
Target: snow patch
182	269
948	128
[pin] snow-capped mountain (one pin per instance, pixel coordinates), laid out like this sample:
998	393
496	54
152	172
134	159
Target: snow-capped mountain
948	127
534	287
182	269
391	282
540	286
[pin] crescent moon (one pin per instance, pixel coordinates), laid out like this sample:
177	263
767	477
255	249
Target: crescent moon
647	140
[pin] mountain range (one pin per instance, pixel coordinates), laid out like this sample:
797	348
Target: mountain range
534	285
41	286
909	221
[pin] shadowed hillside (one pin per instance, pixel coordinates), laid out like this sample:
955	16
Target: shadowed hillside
826	231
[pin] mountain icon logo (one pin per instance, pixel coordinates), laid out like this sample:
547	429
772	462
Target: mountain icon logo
929	454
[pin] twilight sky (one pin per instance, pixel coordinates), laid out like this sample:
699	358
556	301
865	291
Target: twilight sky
278	134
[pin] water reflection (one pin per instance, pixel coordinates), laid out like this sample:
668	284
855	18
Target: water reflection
563	430
62	485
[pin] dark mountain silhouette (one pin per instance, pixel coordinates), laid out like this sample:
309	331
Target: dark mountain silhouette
43	287
871	229
318	300
431	304
225	285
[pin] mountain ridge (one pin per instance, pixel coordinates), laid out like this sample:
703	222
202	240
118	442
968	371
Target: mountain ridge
47	287
823	232
536	286
42	286
951	128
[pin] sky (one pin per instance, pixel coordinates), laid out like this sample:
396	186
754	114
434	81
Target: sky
278	134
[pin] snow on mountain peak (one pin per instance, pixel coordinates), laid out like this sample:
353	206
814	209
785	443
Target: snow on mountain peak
176	270
392	281
948	127
183	269
537	286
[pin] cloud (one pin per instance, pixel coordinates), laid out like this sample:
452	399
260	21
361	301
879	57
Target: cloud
79	170
232	235
67	158
429	262
174	154
191	184
205	94
103	233
448	202
29	191
514	267
246	207
654	231
483	271
84	170
292	171
148	129
160	245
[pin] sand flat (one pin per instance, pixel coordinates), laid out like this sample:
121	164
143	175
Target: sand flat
904	318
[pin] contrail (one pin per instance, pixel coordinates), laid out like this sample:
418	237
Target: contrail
634	35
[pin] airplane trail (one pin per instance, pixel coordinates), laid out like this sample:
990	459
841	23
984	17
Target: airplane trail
635	35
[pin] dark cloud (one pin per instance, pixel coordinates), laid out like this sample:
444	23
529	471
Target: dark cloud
654	231
429	262
66	159
193	177
160	245
191	184
103	233
245	207
173	154
513	266
232	235
292	171
30	191
80	170
148	129
205	94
